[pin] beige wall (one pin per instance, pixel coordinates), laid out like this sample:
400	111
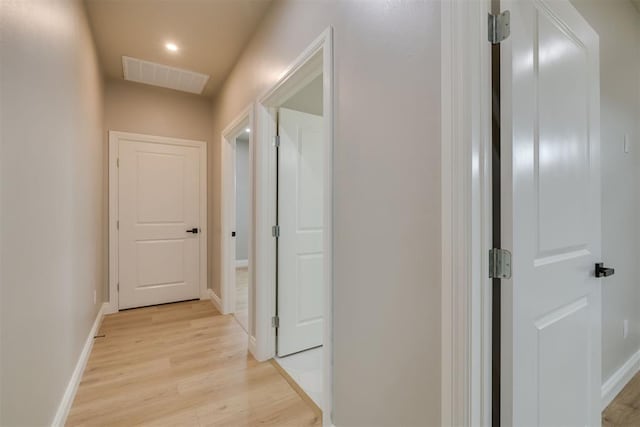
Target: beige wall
618	24
139	108
51	234
387	242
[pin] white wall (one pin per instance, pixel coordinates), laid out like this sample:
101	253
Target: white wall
618	24
242	199
387	242
51	229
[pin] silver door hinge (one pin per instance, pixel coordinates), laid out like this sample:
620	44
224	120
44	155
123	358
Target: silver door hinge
276	141
275	322
275	231
499	27
499	264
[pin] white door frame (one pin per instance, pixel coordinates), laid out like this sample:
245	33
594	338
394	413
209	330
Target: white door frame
114	141
317	58
466	213
227	301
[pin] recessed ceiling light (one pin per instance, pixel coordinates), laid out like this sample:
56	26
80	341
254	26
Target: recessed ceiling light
171	47
247	130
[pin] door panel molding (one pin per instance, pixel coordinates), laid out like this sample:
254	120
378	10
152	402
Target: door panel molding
300	218
550	219
114	141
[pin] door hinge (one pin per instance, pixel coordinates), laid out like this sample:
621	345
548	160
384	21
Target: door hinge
275	231
118	162
118	286
499	264
499	27
275	322
276	141
118	225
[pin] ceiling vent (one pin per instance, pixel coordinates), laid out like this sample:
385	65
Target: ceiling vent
137	70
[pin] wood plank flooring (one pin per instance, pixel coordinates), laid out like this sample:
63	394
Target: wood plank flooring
182	364
625	408
242	296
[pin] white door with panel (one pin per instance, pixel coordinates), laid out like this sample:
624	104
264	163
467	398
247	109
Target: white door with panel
159	215
300	217
550	217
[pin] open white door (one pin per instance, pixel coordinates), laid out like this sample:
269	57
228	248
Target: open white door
551	217
300	217
159	215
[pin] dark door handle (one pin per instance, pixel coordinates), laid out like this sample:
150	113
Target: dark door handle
233	234
194	230
602	271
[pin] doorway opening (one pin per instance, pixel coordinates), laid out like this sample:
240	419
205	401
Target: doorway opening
294	141
560	310
237	223
241	233
299	284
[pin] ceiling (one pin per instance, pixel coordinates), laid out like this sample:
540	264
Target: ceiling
210	34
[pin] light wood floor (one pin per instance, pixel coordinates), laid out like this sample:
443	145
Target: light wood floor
182	364
625	408
242	296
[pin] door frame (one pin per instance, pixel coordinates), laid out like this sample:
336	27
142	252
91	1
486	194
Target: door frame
114	141
466	213
317	58
226	301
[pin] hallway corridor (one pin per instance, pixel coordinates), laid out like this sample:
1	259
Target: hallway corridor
181	364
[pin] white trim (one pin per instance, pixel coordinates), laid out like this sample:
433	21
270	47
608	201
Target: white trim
228	210
466	214
240	263
317	58
215	300
114	138
113	229
616	382
265	249
252	346
72	386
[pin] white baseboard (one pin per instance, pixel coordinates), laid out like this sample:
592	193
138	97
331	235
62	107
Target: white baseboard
76	377
253	347
109	308
242	263
619	379
215	299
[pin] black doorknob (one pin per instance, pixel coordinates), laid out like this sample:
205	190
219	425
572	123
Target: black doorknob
602	271
194	230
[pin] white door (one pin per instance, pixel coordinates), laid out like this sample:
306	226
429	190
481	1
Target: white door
551	217
158	204
300	216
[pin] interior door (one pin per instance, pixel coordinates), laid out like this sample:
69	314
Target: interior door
300	217
551	216
159	223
